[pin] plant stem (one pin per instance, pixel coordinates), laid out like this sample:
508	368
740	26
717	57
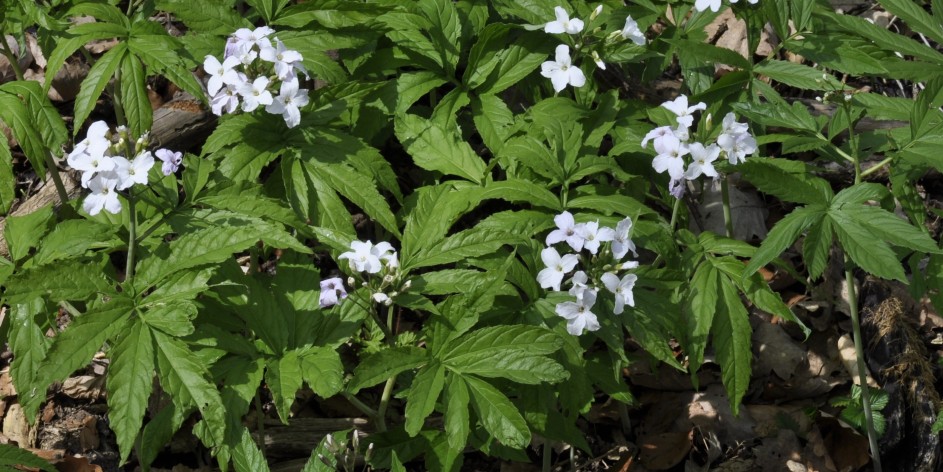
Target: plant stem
132	238
876	167
674	213
384	403
862	372
725	194
360	405
260	421
53	170
8	53
545	466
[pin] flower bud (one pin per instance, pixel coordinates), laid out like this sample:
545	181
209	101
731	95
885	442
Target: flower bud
595	12
387	279
709	121
407	284
351	281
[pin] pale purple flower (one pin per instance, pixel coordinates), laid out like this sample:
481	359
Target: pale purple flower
702	161
578	314
171	160
567	230
670	149
621	288
557	267
561	71
332	292
226	100
563	23
676	188
103	194
288	102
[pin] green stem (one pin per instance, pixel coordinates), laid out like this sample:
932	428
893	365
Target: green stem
54	173
876	167
674	213
862	372
116	98
8	53
132	238
725	194
360	405
385	403
260	421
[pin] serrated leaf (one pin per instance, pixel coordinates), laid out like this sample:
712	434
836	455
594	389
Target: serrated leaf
45	116
882	37
494	341
94	84
436	209
246	456
83	34
522	191
493	120
29	346
7	181
622	205
359	189
284	379
164	55
159	430
322	370
75	346
474	242
731	339
865	249
129	385
11	455
857	194
73	238
497	414
172	317
797	75
83	279
787	180
208	16
15	114
137	106
184	376
422	396
457	424
891	228
523	56
385	364
756	290
24	232
436	148
816	246
445	30
783	234
769	114
702	297
916	18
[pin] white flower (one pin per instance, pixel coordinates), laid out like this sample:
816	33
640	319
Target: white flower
254	94
246	38
679	106
599	63
669	149
247	58
381	297
135	171
96	142
580	285
566	231
171	160
621	241
594	235
621	288
730	125
220	73
561	72
362	258
226	100
557	267
332	292
90	165
752	2
288	102
285	60
657	133
578	314
563	23
737	147
386	253
632	31
103	194
701	5
702	161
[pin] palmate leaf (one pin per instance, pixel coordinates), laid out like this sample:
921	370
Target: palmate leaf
184	376
384	364
82	280
29	346
816	246
422	396
889	227
322	370
129	385
731	339
702	298
208	16
436	148
868	252
137	106
82	35
783	234
284	379
94	84
445	30
359	189
436	209
497	414
163	54
513	352
46	119
474	242
13	456
457	399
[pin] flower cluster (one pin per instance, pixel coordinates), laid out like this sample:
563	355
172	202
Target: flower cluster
602	268
373	259
102	157
714	5
242	82
672	143
561	70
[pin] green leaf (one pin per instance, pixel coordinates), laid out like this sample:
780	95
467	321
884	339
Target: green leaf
209	16
787	180
137	106
25	232
474	242
322	370
358	188
524	55
797	75
7	180
783	234
882	37
129	385
621	205
514	352
422	396
83	34
75	346
701	52
184	376
731	338
74	238
857	194
916	18
457	424
865	249
411	86
891	228
445	30
172	317
483	57
98	77
702	297
380	366
13	456
15	114
284	379
164	55
159	430
497	414
46	118
522	191
83	279
436	209
29	346
816	246
246	456
769	114
493	120
436	148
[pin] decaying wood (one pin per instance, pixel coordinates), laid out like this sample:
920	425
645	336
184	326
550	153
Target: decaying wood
302	435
